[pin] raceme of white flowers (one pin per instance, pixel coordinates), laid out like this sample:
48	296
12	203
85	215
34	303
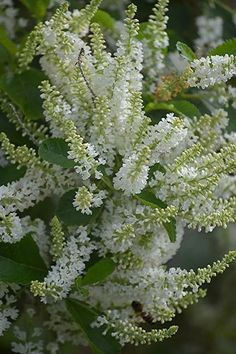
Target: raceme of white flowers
93	100
210	33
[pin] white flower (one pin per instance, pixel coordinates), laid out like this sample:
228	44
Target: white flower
212	70
210	32
132	176
87	198
69	266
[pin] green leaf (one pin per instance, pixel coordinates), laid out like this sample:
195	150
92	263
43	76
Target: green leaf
142	33
20	262
180	107
148	198
186	108
185	51
171	229
99	271
84	317
23	90
228	47
54	150
156	106
10	173
69	215
154	168
38	8
104	19
7	42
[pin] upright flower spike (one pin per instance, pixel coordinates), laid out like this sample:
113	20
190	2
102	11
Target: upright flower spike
82	19
132	176
155	42
58	21
82	153
58	239
87	198
98	46
57	284
22	155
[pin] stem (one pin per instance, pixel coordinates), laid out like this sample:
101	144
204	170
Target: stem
225	7
195	96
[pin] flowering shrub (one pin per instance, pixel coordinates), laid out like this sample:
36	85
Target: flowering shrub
122	184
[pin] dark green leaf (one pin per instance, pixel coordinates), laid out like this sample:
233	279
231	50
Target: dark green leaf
228	47
154	168
99	271
104	20
185	51
69	215
186	108
20	262
171	229
10	173
156	106
84	317
23	90
179	107
148	198
54	150
38	8
142	34
7	42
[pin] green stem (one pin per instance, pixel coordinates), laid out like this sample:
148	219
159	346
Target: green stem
195	96
225	7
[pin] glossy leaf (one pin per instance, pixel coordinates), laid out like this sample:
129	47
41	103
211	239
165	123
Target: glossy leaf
180	107
171	229
84	317
54	150
186	108
104	19
38	8
69	215
185	51
154	168
10	173
20	262
7	42
99	271
23	90
228	47
148	198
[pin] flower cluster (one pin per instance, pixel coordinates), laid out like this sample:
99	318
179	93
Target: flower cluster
210	33
124	183
213	70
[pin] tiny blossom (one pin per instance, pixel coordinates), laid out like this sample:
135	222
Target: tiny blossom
68	267
132	177
8	310
212	70
87	198
210	32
